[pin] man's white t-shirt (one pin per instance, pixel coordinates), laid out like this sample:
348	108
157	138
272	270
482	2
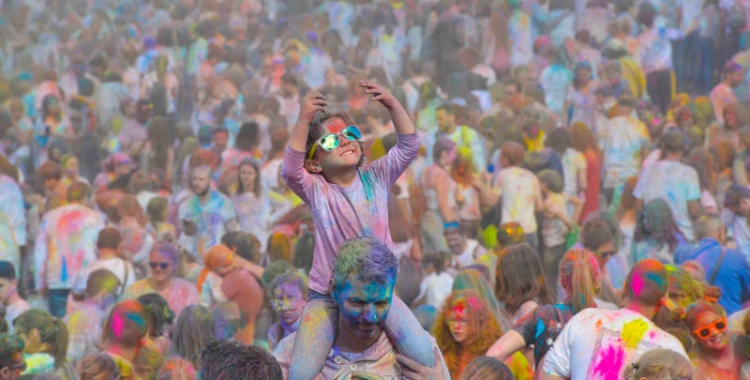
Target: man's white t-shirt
599	344
119	267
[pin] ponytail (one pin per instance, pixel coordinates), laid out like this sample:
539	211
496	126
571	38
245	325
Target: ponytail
579	275
583	287
51	331
59	344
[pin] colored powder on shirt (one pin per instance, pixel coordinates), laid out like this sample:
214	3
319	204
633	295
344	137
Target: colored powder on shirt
632	333
609	363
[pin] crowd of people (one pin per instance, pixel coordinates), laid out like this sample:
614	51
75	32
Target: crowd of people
354	189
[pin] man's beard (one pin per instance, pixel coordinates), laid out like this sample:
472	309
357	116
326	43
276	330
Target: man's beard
203	193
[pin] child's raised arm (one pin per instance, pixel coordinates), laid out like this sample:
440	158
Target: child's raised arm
313	102
401	120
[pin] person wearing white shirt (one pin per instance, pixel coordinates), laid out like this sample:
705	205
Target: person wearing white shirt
437	284
108	246
465	251
600	344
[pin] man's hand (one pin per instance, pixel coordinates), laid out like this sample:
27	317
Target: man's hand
313	102
379	94
415	371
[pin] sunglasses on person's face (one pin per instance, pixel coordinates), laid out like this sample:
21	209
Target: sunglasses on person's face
332	141
717	327
162	266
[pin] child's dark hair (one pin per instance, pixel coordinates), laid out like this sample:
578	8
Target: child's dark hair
158	311
316	130
7	271
437	259
552	179
243	245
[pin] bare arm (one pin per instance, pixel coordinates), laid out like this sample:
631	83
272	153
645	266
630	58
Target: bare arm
694	208
507	345
441	188
313	102
577	210
582	180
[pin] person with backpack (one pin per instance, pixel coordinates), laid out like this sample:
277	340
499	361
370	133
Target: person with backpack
725	268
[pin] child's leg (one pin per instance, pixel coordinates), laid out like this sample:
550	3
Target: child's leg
407	335
315	337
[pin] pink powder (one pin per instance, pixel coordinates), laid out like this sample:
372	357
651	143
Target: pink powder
608	364
117	325
637	284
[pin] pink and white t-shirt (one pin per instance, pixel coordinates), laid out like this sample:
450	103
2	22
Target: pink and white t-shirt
598	344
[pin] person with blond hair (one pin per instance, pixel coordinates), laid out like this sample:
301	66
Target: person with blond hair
659	364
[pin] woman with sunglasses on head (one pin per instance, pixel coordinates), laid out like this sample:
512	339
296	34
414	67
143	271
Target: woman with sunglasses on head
163	261
717	354
324	165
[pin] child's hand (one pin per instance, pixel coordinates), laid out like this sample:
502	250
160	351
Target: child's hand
313	102
379	94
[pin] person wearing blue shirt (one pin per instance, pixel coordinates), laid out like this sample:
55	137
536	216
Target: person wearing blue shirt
732	275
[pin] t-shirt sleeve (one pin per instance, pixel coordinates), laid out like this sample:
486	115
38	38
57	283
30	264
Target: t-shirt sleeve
557	360
390	167
527	326
296	176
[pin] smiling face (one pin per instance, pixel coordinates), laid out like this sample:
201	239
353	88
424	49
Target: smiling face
455	242
716	340
288	302
160	274
346	155
364	306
